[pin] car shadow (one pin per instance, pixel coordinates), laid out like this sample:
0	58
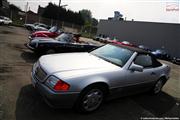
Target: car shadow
29	57
31	106
158	105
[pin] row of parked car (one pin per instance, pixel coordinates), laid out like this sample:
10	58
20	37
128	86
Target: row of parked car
159	53
55	40
87	74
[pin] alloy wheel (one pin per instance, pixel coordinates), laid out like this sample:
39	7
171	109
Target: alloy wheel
92	100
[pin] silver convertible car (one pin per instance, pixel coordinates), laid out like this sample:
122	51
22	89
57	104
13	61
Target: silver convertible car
85	80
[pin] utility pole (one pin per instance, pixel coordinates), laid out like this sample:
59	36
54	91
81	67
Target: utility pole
26	9
59	3
58	16
58	12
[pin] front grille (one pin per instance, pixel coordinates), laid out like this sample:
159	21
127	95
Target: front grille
40	74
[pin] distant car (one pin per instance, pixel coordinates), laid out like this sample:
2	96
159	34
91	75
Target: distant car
52	33
97	38
85	80
144	48
63	43
5	20
126	43
176	60
161	54
41	27
36	27
102	38
105	40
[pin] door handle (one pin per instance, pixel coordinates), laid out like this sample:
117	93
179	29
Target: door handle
153	73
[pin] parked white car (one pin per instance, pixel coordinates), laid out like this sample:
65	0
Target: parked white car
5	20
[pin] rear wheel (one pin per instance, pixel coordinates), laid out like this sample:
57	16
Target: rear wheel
158	86
90	99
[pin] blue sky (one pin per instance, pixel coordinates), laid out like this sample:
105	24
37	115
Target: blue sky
139	10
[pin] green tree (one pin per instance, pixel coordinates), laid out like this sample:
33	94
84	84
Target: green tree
87	16
94	22
53	11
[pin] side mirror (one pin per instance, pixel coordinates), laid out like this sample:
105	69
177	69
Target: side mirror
135	67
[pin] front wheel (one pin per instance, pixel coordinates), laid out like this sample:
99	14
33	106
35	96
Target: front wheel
90	99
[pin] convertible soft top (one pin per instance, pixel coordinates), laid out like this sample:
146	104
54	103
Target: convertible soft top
135	49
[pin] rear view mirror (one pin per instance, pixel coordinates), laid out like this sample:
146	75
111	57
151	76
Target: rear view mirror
135	67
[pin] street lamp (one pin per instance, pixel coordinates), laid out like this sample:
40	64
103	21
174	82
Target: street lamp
59	3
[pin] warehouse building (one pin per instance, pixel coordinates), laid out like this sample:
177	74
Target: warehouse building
154	35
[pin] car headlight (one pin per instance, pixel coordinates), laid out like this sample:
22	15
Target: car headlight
36	64
57	84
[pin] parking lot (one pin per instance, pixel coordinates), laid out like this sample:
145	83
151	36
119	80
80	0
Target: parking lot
20	101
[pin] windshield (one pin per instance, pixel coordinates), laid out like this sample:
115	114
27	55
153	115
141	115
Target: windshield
114	54
53	29
64	38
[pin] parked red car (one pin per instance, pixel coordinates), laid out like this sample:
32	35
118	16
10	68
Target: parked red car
51	33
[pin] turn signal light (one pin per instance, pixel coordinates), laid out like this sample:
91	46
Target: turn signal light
57	84
61	86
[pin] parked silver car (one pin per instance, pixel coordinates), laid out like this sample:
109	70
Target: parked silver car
36	27
85	80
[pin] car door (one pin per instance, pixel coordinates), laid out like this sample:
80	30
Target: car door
140	81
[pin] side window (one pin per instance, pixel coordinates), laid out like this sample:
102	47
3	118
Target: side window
143	60
156	63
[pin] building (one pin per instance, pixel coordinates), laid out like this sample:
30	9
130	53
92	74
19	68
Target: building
154	35
31	17
40	10
4	7
4	4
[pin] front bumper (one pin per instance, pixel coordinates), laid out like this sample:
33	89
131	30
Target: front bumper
55	99
28	46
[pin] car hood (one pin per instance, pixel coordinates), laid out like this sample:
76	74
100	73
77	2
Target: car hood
66	62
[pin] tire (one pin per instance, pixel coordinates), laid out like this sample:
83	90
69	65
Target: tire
90	99
157	87
50	51
29	28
